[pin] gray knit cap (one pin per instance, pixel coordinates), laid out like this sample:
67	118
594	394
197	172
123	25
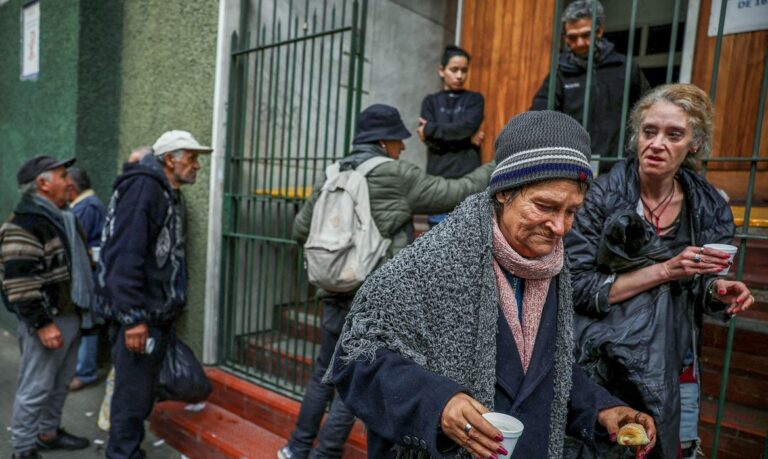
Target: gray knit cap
541	145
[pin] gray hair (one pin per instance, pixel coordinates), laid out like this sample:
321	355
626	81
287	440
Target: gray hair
30	188
176	154
582	9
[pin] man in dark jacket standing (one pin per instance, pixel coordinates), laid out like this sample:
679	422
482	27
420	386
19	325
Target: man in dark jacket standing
38	271
143	277
90	213
607	89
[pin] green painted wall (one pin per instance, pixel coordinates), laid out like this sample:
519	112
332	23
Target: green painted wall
168	63
37	116
71	108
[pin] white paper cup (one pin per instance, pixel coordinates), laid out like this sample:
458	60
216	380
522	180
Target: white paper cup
727	248
510	427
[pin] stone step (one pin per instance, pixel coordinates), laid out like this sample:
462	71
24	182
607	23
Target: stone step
212	433
282	357
301	322
751	335
755	273
269	410
742	434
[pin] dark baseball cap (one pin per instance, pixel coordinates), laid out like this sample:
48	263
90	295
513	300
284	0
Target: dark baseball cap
39	164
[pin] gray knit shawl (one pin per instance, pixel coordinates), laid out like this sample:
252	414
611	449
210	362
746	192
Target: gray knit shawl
436	304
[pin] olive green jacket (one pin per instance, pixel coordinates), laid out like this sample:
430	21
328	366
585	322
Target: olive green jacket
398	190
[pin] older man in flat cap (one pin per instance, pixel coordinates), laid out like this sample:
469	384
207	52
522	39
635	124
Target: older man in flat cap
142	275
43	271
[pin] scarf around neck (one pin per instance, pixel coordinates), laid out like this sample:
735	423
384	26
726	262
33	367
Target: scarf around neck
82	287
437	304
537	272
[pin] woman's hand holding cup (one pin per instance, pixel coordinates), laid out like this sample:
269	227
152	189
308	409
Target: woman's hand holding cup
462	421
696	260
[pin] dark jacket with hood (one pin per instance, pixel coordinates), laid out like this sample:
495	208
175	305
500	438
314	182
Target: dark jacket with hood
452	117
606	95
142	272
636	348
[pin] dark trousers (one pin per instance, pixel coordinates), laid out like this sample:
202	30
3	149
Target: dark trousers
334	433
136	377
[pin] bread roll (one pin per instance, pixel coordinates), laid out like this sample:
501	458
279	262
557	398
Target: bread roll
632	435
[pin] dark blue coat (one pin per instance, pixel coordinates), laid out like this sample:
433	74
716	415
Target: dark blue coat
401	402
90	212
142	273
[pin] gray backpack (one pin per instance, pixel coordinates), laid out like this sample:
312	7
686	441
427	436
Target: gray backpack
344	245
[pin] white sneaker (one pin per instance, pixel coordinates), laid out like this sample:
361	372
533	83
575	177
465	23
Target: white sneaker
285	452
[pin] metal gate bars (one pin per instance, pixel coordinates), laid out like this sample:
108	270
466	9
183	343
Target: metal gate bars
295	89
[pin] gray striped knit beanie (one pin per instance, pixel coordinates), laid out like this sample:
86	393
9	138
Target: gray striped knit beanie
540	145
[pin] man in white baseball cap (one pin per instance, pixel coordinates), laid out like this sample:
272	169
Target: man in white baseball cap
142	274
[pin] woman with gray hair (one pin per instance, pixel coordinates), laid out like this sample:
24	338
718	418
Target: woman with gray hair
477	315
643	275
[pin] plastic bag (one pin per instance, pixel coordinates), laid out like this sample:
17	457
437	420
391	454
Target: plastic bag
182	377
104	411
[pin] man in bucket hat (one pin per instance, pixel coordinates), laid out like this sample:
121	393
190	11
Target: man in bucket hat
142	275
38	272
397	190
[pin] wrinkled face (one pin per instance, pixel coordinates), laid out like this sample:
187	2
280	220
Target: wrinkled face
539	215
183	170
56	190
454	74
71	189
393	147
577	35
664	140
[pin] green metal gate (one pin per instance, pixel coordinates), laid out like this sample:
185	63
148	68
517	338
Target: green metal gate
295	90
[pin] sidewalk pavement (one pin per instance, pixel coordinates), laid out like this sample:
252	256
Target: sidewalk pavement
80	412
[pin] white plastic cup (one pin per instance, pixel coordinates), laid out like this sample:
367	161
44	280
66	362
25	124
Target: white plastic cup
95	254
510	427
727	248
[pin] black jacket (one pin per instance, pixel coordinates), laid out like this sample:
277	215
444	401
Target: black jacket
606	95
142	273
635	348
452	117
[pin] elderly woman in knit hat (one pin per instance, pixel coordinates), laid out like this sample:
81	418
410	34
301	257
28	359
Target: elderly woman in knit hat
477	316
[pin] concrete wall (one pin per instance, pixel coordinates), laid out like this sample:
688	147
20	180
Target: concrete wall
70	109
169	54
404	43
37	116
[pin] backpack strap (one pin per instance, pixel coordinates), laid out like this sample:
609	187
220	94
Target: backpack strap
369	164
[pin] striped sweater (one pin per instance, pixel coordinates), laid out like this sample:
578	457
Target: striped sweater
34	266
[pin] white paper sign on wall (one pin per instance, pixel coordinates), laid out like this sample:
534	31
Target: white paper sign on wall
740	16
30	41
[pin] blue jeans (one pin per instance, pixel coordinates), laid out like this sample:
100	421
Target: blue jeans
689	412
86	358
334	433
